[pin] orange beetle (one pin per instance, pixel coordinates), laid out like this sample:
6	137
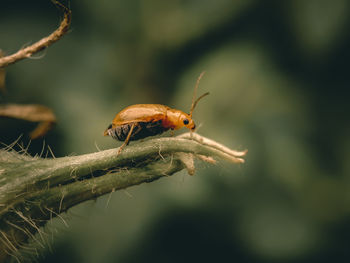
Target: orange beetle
142	120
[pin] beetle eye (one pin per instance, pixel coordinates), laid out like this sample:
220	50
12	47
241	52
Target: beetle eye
186	121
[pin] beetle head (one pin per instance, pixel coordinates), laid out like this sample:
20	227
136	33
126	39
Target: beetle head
186	121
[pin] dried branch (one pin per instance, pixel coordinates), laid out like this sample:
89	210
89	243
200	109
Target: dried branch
33	190
29	112
43	43
33	113
2	75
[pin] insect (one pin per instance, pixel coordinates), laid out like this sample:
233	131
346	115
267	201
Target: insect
139	121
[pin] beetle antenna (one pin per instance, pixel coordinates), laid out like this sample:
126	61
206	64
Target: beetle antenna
194	100
195	103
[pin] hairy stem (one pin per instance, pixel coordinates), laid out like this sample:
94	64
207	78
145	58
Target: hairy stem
33	190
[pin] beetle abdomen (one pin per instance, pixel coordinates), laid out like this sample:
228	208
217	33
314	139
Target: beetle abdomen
140	131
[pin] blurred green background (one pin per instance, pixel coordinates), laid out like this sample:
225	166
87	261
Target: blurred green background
278	74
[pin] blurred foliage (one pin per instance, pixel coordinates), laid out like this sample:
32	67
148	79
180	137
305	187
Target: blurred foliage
278	77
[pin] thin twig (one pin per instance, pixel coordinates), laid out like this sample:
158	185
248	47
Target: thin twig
44	42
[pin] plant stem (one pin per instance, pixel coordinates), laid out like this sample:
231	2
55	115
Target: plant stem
33	190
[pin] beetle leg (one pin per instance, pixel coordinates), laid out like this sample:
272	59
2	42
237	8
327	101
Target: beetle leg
137	129
129	135
126	142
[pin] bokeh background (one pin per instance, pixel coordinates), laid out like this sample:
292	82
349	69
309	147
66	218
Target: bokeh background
278	74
